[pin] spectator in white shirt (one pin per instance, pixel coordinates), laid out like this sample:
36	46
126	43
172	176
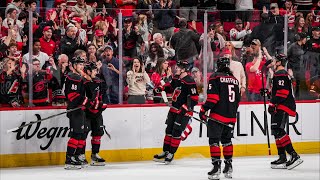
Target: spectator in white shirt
237	33
37	54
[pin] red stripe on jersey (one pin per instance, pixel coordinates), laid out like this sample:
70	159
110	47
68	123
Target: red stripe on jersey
222	118
212	100
195	98
280	74
287	110
283	91
174	110
213	96
72	95
40	100
282	95
187	82
79	80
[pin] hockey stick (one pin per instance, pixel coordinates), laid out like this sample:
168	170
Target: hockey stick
265	112
229	125
39	119
104	128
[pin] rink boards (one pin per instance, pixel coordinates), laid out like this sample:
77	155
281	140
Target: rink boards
137	134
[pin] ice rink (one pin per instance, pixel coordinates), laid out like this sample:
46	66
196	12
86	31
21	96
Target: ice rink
183	169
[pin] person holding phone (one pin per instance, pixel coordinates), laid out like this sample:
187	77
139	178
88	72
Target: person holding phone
137	78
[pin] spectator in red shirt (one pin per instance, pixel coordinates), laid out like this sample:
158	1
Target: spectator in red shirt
48	46
254	72
127	7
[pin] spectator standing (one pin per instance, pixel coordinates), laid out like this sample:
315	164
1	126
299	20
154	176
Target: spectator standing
15	4
188	10
37	54
164	15
127	7
167	50
290	10
70	43
109	68
227	8
48	46
314	43
185	43
137	78
254	72
155	53
244	9
131	36
211	47
238	32
304	6
82	33
84	11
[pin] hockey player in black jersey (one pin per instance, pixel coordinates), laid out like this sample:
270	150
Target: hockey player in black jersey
75	94
282	105
94	119
184	91
222	101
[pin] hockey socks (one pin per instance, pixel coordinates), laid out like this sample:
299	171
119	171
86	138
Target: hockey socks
215	151
72	146
286	143
227	150
175	142
95	142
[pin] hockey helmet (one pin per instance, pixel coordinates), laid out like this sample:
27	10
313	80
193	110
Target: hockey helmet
223	62
77	60
282	58
90	66
184	64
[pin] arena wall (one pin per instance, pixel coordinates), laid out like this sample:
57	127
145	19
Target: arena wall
137	134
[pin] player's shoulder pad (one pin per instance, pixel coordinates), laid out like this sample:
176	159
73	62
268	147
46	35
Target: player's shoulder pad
281	73
188	80
74	77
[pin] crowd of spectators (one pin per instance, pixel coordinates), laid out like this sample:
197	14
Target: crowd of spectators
155	35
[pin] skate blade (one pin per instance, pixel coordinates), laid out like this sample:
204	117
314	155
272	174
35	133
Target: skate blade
167	162
295	164
228	175
71	167
279	166
97	164
214	177
158	160
84	165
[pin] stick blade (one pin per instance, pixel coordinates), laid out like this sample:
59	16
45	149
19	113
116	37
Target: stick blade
11	130
164	97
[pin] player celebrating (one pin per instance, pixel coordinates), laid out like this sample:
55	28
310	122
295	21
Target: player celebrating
185	90
223	101
282	105
75	93
94	120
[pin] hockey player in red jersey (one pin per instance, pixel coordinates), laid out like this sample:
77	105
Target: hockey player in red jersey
75	93
222	101
282	105
185	90
94	119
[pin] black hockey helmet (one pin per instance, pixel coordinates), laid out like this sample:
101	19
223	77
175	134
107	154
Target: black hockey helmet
223	62
184	64
77	60
282	58
90	66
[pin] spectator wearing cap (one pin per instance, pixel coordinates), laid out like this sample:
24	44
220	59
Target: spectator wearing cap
313	44
127	7
164	16
70	43
131	36
254	72
185	43
110	72
81	33
238	32
98	39
48	46
37	54
296	67
15	4
244	9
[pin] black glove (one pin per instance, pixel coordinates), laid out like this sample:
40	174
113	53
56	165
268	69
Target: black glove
272	109
158	89
202	114
184	111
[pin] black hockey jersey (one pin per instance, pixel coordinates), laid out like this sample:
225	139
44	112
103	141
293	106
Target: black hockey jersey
74	90
223	97
184	89
10	88
281	94
94	89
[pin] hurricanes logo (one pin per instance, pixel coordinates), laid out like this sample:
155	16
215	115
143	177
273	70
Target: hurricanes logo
39	86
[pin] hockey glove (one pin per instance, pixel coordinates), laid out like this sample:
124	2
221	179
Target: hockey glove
202	114
158	89
86	104
272	109
184	111
14	102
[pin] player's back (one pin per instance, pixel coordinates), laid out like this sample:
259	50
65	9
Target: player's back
225	89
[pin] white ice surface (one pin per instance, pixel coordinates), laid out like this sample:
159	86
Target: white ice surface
185	169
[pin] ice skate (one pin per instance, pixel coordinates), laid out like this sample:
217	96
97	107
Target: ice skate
215	171
227	171
294	161
279	163
96	160
168	158
82	159
72	163
160	157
